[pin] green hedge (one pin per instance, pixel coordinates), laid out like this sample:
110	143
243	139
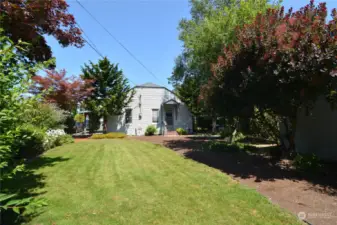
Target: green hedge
30	141
150	130
181	131
111	135
64	139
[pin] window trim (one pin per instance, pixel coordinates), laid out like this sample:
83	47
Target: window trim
157	115
130	116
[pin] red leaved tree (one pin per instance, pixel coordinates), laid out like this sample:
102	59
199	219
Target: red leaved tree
65	91
280	62
29	20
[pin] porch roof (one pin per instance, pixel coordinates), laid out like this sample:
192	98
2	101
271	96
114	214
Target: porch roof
171	102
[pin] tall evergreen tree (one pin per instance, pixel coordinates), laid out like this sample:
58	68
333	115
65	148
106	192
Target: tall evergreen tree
111	90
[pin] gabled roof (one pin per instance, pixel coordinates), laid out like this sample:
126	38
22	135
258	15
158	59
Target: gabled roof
149	85
171	102
152	85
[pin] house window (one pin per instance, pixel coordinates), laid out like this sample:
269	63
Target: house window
155	115
128	116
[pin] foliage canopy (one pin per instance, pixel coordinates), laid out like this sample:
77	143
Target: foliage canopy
281	61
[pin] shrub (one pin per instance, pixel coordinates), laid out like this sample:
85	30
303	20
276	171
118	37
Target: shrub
307	162
150	130
181	131
30	142
98	136
53	138
79	118
44	116
264	125
64	139
17	135
217	146
111	135
226	132
238	136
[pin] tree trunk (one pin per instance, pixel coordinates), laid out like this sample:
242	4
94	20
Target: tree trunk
105	121
195	124
287	140
213	125
231	140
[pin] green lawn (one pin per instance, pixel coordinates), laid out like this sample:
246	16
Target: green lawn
132	182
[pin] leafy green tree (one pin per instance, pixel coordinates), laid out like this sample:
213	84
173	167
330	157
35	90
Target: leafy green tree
45	115
212	26
111	90
15	77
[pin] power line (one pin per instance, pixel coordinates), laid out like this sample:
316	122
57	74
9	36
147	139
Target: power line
88	40
120	43
86	36
101	54
93	46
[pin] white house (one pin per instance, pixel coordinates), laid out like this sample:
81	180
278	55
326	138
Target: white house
152	105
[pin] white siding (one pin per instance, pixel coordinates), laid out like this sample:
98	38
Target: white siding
144	100
317	132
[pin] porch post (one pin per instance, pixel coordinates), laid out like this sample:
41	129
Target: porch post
162	119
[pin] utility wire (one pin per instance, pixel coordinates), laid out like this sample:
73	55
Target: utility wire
120	43
86	36
93	46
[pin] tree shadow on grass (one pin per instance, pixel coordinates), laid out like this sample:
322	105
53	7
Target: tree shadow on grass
251	162
26	184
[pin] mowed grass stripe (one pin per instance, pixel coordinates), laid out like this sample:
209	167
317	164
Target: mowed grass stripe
133	182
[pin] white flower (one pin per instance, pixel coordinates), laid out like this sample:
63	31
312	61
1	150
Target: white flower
55	133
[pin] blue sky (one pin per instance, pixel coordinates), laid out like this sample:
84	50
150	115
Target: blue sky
148	28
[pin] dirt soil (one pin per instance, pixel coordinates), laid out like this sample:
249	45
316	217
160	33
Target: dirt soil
315	195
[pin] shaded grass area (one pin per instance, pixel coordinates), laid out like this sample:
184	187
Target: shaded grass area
133	182
25	184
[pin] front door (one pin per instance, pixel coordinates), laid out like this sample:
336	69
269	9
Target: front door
169	119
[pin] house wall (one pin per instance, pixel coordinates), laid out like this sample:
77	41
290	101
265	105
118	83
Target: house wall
144	100
316	132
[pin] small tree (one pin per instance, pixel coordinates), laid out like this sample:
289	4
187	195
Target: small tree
280	62
111	90
64	91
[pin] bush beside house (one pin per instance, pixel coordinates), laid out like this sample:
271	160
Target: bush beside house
150	130
181	131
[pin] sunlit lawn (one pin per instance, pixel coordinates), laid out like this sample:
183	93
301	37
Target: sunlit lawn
132	182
